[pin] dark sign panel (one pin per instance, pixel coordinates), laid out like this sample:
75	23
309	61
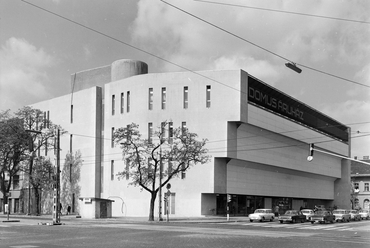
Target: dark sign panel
265	96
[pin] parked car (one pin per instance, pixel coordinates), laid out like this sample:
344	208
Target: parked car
262	215
364	214
292	216
355	215
323	217
342	215
308	213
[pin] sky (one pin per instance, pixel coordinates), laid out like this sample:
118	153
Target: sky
39	51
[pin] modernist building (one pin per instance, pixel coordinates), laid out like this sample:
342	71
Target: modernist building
360	175
258	138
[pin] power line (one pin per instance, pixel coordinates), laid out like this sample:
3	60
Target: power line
284	11
265	49
182	67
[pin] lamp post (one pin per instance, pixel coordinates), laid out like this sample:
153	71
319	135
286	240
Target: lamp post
56	213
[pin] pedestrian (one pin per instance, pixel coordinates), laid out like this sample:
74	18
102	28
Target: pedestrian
276	211
60	208
68	210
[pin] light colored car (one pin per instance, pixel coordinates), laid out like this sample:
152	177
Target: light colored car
308	213
365	215
355	215
342	215
262	214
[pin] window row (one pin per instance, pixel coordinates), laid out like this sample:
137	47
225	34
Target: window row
150	168
366	186
151	100
122	103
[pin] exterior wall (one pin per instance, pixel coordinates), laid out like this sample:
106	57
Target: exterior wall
85	133
248	178
254	152
363	195
206	122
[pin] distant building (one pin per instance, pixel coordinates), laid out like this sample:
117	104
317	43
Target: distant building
360	176
258	138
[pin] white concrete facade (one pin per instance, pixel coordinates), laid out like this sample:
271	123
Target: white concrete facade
258	156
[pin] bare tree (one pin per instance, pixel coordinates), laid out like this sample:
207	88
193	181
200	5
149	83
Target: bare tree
145	157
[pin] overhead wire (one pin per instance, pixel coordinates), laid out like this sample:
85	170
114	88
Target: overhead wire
284	11
265	49
156	56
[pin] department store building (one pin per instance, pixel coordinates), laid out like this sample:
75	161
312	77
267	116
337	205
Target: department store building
258	139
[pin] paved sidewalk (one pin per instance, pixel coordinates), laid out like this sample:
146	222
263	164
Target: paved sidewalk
73	218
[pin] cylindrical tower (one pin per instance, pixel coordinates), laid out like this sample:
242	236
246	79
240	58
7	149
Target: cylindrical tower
125	68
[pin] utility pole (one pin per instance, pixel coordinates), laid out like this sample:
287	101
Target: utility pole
56	214
160	184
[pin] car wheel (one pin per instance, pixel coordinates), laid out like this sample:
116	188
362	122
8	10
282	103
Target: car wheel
312	222
302	220
281	222
347	220
263	219
272	219
251	220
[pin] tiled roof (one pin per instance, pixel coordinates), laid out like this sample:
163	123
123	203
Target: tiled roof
360	168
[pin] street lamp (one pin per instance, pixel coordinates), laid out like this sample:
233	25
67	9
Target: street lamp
293	66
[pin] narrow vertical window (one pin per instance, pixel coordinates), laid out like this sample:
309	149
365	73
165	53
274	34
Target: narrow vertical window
150	168
112	137
112	170
366	187
208	96
169	170
48	120
150	99
113	104
46	147
183	128
70	172
170	132
163	130
173	201
183	173
127	169
122	102
45	123
128	101
185	97
164	98
38	148
71	113
150	132
70	143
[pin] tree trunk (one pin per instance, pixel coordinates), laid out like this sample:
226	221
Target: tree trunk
37	196
152	204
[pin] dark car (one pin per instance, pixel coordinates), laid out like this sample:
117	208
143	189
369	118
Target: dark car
323	217
292	216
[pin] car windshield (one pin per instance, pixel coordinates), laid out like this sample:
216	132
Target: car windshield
353	212
258	211
306	211
321	213
290	212
339	212
364	211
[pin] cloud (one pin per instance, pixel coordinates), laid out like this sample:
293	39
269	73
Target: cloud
261	69
23	73
359	111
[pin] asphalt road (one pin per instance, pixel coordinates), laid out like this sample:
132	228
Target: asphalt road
78	233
